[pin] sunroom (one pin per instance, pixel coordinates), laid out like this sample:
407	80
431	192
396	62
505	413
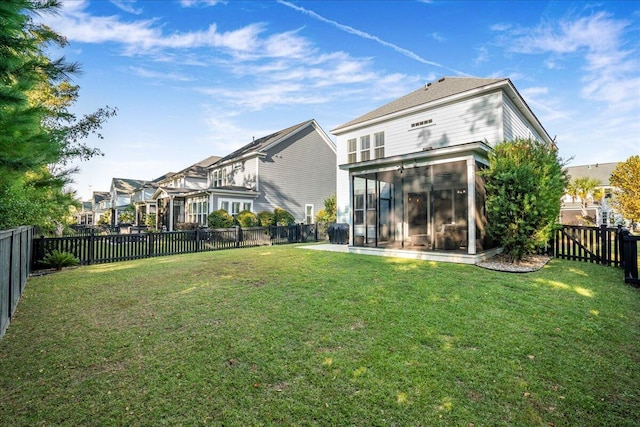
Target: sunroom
427	205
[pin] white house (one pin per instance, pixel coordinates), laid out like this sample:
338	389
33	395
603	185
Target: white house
407	179
598	206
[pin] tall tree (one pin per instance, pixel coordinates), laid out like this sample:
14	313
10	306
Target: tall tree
626	177
38	134
525	181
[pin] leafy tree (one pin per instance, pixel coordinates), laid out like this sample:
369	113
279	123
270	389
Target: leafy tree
525	181
584	188
330	211
37	131
626	177
219	219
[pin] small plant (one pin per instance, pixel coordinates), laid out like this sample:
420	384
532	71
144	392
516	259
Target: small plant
59	260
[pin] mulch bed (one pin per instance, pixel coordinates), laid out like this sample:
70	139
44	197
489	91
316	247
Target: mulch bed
501	263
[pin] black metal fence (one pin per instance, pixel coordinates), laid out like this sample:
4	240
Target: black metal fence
15	266
95	248
612	246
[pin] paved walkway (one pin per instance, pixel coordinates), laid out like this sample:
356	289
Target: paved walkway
327	247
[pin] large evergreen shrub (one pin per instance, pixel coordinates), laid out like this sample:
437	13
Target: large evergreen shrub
525	181
219	219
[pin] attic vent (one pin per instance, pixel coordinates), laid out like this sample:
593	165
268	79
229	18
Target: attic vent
422	123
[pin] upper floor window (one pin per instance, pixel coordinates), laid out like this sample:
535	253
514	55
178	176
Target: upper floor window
378	145
352	148
365	144
215	178
224	177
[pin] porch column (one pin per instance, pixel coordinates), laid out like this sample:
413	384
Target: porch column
170	213
471	203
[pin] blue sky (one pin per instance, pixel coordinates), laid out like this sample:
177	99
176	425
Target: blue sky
194	78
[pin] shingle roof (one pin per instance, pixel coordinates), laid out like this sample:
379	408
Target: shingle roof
99	196
599	171
126	185
263	142
446	86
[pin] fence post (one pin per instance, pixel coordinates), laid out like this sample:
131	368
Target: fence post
316	233
197	240
604	245
237	236
620	242
92	238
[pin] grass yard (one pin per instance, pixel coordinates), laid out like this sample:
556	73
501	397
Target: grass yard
286	336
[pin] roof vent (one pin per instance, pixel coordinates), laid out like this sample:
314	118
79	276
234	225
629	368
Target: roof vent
441	80
427	86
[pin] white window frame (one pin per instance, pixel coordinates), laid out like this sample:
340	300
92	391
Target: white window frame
378	145
241	204
308	213
197	210
365	148
352	150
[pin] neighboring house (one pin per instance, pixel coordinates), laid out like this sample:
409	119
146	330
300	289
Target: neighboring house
408	180
85	215
101	203
121	192
598	203
294	169
172	189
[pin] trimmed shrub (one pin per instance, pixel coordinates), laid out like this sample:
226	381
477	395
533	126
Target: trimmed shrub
247	219
265	218
282	217
219	219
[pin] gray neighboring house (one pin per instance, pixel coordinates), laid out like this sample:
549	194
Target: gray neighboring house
598	208
294	169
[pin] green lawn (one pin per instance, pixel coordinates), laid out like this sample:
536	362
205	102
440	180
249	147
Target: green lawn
286	336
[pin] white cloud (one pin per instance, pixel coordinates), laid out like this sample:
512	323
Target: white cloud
195	3
365	35
159	75
127	6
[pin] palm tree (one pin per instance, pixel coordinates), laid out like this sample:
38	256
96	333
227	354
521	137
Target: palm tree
584	189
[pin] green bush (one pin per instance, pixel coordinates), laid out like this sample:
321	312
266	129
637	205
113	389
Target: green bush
282	217
58	260
219	219
525	181
265	218
247	219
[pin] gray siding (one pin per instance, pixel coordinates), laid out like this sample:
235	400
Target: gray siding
298	171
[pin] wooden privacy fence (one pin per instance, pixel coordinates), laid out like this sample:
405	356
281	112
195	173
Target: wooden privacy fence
612	246
15	266
630	256
95	248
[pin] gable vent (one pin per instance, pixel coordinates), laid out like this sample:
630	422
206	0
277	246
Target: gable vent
422	123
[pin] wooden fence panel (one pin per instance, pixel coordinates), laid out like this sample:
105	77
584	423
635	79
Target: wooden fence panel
15	267
589	244
97	248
